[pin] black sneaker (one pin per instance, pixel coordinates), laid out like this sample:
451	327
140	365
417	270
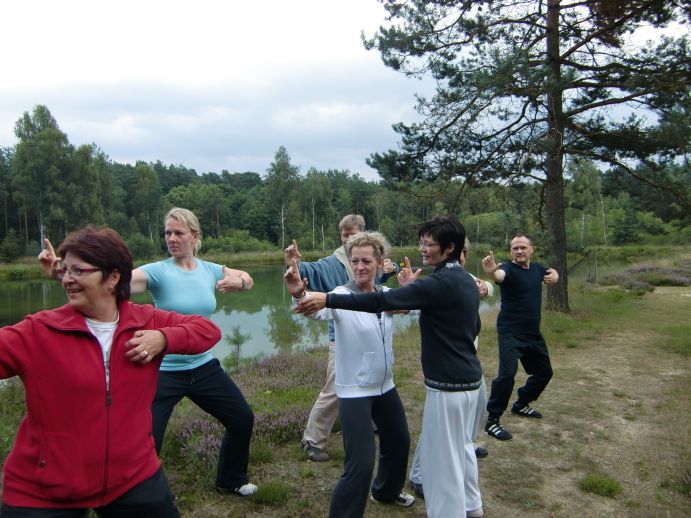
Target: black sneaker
526	411
494	429
481	452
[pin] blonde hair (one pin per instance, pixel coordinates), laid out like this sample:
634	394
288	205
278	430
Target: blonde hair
374	239
350	221
187	218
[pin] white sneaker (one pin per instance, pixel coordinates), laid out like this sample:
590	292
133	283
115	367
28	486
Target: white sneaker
246	490
403	499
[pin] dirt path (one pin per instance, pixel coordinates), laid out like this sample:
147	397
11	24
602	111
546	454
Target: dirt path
613	408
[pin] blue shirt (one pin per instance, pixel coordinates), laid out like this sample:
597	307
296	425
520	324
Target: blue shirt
190	292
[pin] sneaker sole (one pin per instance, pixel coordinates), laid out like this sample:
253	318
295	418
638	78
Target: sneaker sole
528	416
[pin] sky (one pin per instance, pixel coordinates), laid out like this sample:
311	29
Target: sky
207	84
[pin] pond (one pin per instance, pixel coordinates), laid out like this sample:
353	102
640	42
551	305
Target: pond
262	315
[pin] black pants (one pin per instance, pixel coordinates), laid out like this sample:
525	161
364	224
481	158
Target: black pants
210	388
149	499
532	352
350	495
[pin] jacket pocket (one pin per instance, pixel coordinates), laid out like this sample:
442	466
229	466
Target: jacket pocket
371	371
60	467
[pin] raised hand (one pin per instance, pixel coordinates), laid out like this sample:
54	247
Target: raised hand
296	286
49	261
488	263
291	254
406	275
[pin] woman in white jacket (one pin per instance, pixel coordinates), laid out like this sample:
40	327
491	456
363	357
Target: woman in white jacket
365	388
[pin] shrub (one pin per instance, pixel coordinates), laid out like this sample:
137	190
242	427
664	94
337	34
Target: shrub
12	246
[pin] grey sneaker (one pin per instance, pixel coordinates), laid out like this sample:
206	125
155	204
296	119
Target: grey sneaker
313	453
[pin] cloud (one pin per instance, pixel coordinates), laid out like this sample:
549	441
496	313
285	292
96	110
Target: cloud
211	85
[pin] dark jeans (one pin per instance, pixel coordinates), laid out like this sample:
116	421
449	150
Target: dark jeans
532	352
350	495
149	499
210	388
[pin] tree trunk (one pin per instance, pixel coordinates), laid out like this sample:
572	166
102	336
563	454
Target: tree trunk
557	294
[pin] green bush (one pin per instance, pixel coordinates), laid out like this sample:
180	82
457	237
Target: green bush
12	247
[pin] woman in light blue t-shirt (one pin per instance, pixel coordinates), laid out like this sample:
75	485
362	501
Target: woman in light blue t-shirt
186	284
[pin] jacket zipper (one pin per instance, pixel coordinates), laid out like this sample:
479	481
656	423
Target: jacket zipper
106	463
383	343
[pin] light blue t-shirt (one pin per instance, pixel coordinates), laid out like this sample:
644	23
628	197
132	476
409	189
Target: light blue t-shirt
190	292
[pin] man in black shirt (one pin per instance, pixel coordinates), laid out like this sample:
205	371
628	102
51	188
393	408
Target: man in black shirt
518	328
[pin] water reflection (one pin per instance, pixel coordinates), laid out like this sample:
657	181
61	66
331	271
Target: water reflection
261	316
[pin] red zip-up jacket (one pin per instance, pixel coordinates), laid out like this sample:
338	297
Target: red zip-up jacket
79	446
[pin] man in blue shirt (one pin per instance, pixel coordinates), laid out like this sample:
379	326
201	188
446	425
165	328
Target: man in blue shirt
518	329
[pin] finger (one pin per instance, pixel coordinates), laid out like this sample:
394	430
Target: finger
406	261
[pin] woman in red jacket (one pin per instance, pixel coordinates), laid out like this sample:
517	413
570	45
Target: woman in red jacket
90	370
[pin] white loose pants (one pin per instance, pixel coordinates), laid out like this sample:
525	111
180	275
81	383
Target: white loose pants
447	454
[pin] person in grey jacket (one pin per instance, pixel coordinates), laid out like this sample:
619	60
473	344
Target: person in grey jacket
365	387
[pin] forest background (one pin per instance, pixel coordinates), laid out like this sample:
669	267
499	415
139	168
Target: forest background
50	186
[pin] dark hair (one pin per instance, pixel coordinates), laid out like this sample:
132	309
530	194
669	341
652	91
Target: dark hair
105	249
445	230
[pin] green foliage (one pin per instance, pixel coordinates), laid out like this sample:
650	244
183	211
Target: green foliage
143	247
44	179
12	247
12	410
601	485
236	241
541	72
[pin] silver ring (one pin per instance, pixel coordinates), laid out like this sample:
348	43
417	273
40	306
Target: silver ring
145	354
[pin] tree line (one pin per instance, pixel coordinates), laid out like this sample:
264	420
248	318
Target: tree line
50	187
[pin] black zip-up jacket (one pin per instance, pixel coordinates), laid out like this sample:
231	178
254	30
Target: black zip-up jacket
448	301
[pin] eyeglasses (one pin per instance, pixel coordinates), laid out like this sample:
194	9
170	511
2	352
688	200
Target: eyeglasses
426	245
75	272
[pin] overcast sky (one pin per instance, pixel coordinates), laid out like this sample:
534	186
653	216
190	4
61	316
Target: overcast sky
209	84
